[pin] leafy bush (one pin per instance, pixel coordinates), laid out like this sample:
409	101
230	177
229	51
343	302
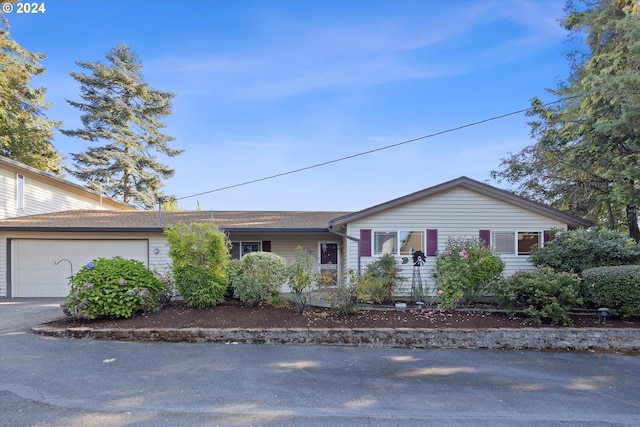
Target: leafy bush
379	280
258	276
342	295
114	287
301	277
200	258
580	249
617	288
543	295
466	269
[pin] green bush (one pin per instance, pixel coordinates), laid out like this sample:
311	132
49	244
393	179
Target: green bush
301	277
380	279
342	295
466	269
617	288
114	287
200	257
580	249
543	295
258	276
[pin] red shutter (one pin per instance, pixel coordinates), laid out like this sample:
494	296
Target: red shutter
266	246
432	242
485	237
546	235
365	242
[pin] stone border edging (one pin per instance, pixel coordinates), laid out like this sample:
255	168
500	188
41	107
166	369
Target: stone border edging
614	339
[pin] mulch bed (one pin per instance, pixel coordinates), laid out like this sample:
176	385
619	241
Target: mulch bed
233	314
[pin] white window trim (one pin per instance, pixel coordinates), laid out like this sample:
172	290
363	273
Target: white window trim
515	240
20	191
397	240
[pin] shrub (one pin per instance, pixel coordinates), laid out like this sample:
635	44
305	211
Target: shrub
258	276
200	258
466	269
342	295
114	287
379	280
580	249
543	295
301	277
617	288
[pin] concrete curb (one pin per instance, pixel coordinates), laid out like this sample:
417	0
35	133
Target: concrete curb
581	339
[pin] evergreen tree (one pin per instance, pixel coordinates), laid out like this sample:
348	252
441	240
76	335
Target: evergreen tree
25	132
587	152
122	114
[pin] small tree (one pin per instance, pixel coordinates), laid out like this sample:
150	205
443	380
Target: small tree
200	257
466	269
580	249
301	277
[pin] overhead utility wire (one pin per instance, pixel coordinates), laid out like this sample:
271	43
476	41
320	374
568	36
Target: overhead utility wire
386	147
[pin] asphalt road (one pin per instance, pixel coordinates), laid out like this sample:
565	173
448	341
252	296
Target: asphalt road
64	382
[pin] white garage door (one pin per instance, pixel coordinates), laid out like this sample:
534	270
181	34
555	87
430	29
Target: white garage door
35	274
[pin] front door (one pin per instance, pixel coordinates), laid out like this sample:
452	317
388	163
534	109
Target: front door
329	261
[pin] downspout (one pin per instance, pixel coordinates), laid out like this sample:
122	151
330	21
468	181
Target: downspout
337	233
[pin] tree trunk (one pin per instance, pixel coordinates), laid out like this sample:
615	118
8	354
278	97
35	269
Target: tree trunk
632	223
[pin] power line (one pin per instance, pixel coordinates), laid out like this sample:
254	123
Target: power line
386	147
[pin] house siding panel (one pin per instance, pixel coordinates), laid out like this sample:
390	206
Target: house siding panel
457	212
44	195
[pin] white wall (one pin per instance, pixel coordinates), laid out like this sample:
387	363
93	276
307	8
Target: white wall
457	212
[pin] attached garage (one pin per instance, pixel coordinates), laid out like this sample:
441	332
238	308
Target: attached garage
38	269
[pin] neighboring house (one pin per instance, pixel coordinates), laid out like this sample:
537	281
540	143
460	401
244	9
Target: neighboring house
30	247
28	191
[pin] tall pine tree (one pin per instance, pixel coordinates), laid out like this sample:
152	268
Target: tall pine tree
25	132
587	152
123	115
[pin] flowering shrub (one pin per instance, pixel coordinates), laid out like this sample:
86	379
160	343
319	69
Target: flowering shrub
113	287
258	276
341	295
466	269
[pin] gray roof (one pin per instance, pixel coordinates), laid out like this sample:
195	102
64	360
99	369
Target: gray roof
257	221
496	193
154	221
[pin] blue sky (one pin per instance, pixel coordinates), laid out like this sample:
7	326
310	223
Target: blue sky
265	87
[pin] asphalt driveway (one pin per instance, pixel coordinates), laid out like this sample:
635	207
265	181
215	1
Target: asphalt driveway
66	382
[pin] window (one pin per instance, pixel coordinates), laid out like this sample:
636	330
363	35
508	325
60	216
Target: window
504	243
526	239
19	191
411	241
240	249
384	242
398	242
515	243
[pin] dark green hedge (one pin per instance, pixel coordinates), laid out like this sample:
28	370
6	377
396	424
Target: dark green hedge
617	288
